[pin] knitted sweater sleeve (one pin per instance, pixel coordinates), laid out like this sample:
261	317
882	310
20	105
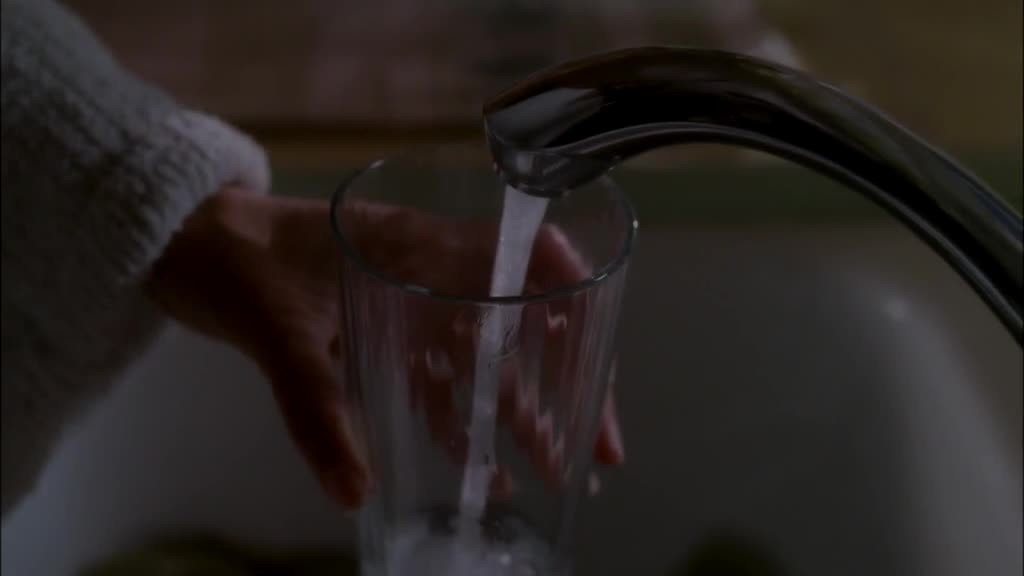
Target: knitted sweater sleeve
98	172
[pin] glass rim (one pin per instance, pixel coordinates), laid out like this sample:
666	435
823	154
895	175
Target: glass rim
349	251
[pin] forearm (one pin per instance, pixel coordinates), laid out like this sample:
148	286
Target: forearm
99	170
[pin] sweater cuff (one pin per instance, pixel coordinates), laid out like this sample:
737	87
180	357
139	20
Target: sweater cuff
238	159
188	158
67	348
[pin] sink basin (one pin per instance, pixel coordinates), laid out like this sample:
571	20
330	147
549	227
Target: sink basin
830	394
835	395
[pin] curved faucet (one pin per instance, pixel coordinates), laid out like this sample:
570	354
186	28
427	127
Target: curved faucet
569	124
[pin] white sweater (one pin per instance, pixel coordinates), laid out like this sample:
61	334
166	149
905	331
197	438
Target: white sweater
99	171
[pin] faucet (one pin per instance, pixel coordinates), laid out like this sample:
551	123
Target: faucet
569	124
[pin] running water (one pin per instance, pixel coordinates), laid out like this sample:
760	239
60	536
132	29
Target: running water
520	220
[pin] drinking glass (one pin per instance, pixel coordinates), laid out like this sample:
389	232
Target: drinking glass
478	413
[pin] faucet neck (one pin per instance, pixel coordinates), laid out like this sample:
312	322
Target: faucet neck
567	125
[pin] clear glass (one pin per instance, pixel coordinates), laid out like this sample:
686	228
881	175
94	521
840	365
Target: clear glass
448	383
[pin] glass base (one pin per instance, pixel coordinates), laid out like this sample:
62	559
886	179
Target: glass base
436	544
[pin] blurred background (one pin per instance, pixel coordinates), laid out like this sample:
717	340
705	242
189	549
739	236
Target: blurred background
366	72
805	388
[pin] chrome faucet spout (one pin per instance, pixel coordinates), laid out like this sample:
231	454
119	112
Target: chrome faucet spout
567	125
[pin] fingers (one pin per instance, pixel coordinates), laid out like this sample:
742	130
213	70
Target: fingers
432	381
558	264
503	485
609	448
535	433
305	390
532	428
555	263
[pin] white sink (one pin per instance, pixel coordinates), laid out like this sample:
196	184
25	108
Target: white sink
836	395
833	395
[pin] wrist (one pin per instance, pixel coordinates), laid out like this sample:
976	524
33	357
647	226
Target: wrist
204	253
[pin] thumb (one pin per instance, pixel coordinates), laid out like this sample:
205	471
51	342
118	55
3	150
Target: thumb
304	386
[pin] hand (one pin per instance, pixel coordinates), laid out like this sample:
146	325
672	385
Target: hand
260	273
